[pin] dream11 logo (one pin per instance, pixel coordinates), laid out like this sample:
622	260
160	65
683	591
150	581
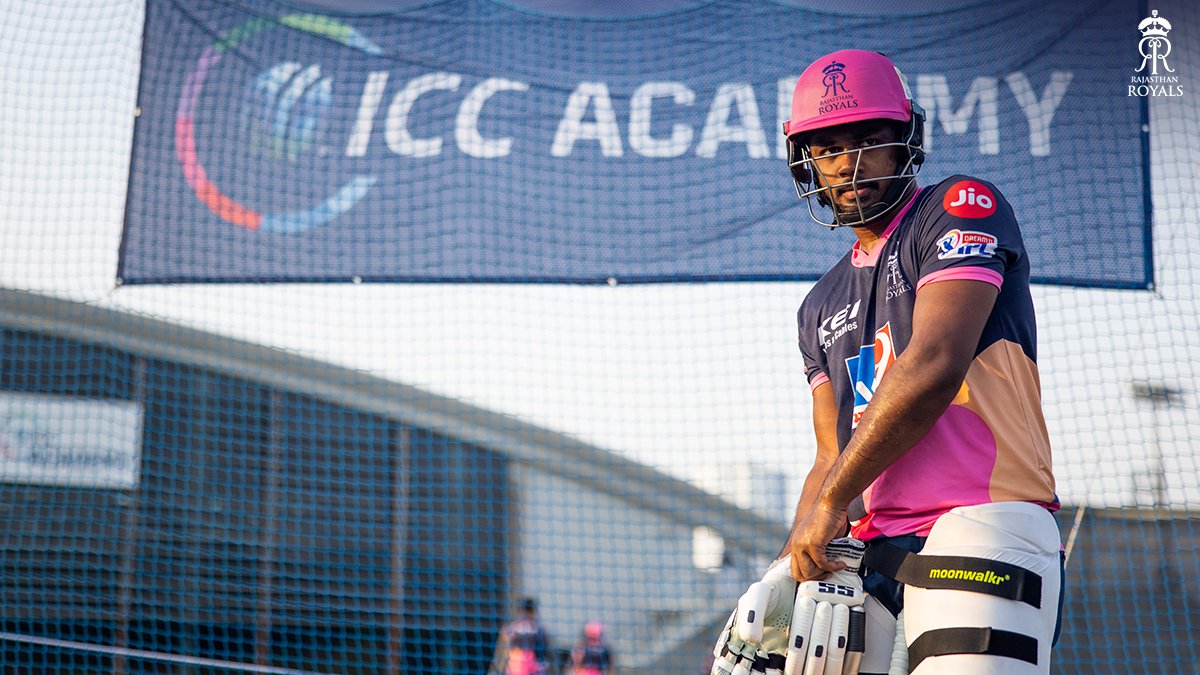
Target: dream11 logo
1154	48
286	105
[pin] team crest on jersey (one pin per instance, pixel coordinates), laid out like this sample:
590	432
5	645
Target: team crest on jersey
969	199
897	284
965	243
866	370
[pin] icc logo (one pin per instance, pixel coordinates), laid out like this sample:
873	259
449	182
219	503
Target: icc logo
285	107
834	79
1154	45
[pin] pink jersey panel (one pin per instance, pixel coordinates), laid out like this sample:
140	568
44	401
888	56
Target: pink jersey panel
909	496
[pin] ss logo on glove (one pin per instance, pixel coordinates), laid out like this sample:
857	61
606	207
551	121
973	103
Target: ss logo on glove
835	589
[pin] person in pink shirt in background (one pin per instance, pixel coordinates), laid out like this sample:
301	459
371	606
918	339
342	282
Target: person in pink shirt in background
592	655
523	646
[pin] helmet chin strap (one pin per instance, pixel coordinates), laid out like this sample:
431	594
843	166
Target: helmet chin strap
891	197
871	212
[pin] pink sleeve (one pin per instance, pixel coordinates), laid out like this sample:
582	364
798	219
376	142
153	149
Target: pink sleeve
972	273
817	381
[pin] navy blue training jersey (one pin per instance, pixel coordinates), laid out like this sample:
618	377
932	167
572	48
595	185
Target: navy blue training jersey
991	444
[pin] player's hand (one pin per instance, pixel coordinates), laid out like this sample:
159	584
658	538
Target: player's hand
828	628
809	539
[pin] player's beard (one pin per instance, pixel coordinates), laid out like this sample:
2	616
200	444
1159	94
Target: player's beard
849	209
852	208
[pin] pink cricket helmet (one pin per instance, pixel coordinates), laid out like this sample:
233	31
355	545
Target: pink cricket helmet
847	86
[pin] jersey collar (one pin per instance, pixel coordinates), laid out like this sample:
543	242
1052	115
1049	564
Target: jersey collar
860	259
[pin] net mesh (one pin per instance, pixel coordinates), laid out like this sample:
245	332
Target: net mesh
359	478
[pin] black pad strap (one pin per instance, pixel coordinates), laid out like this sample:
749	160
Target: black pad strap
990	641
955	572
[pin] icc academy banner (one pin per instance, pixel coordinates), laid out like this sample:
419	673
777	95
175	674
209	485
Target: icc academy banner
482	141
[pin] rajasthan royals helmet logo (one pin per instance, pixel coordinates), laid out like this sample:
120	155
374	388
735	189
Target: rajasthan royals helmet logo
285	106
834	79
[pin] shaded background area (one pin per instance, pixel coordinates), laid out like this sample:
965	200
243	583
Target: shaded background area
322	532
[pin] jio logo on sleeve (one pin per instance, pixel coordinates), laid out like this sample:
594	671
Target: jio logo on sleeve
969	199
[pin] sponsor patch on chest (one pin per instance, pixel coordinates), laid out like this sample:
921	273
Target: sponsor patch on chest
866	369
838	324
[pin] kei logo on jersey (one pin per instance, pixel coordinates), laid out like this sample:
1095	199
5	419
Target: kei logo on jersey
866	370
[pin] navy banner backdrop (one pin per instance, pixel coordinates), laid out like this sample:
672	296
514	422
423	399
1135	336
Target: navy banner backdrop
482	141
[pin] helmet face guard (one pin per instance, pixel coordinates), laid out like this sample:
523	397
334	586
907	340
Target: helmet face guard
812	184
843	88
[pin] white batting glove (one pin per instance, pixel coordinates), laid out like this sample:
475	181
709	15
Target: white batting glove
781	627
755	638
828	620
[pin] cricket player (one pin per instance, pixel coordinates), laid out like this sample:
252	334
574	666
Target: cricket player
523	646
932	452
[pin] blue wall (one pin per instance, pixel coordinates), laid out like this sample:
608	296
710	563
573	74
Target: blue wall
266	522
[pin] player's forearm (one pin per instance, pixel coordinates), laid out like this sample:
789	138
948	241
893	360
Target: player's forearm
910	399
809	494
812	486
